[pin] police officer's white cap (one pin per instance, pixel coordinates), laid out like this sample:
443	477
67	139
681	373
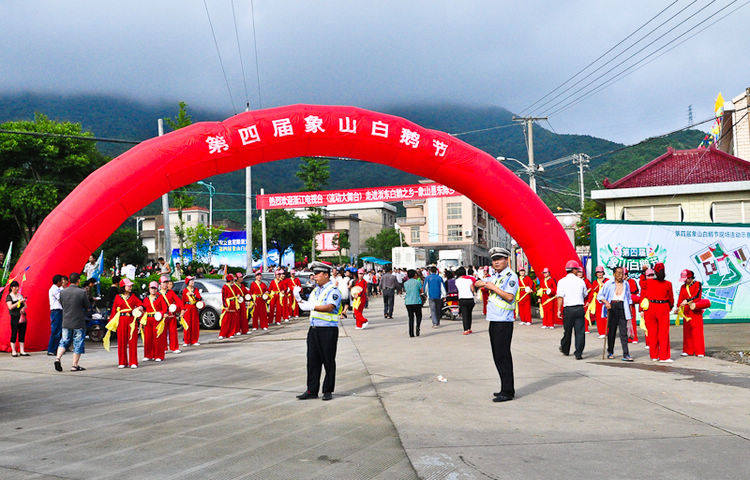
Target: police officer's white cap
499	252
318	267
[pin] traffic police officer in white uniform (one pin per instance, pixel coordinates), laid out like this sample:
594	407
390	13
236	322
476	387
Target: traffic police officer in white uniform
324	305
501	305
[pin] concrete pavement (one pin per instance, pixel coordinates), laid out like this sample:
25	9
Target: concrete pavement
227	410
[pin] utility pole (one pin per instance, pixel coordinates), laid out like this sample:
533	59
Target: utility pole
165	210
248	212
263	235
529	124
582	160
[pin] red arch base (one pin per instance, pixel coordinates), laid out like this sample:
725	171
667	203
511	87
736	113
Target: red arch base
104	200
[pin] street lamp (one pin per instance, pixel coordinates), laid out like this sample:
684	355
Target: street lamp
531	170
211	193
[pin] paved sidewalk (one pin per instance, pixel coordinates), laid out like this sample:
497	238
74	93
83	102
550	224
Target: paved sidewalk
227	410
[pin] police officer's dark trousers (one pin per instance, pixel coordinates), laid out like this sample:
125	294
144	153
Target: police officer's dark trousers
501	334
321	352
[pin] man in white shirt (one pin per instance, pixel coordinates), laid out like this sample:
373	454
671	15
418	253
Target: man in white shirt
571	294
55	315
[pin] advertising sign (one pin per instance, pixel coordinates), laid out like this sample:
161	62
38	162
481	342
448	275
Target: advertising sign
719	254
355	195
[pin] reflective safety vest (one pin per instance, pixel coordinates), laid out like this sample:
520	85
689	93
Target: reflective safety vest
499	301
317	300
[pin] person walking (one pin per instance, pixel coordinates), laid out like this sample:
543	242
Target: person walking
691	292
571	295
388	284
324	305
523	302
502	285
17	311
660	301
343	283
152	324
465	287
75	303
276	292
55	315
230	308
174	307
615	296
193	303
435	290
413	301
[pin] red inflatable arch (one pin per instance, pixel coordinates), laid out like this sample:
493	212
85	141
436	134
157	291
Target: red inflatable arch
104	200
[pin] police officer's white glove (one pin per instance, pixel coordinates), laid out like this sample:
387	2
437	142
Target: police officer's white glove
304	305
528	290
295	292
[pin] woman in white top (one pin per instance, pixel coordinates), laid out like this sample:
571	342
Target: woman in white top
465	286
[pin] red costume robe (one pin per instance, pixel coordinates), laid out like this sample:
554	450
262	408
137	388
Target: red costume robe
231	307
191	335
523	306
276	291
660	302
635	297
154	342
547	303
171	298
260	310
359	306
127	329
287	299
693	342
295	307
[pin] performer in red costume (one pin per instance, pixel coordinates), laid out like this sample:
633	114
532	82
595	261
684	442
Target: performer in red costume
123	319
152	322
174	307
230	308
244	292
636	299
275	290
360	300
287	286
295	283
660	298
193	303
595	308
691	292
258	290
523	304
547	293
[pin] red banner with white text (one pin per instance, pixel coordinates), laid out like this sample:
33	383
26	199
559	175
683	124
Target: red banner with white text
356	195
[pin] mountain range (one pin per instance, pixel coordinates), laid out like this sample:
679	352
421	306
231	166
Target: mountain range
118	117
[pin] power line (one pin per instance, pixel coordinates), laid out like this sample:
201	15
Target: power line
218	52
239	50
638	52
629	69
600	57
483	129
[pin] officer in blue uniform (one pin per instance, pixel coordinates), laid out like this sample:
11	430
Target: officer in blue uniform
324	305
501	306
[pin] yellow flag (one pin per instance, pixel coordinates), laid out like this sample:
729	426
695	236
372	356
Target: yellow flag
719	105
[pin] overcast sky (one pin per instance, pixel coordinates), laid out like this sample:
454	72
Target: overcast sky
379	53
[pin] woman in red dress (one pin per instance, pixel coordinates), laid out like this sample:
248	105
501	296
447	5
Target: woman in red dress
192	301
125	310
360	300
691	292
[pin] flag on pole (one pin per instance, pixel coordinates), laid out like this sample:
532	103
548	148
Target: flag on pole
98	267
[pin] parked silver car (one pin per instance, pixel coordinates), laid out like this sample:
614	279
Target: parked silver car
210	290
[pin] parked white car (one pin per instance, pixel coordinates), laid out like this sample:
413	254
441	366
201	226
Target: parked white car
210	290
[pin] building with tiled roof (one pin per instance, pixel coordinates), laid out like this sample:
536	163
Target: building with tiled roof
699	185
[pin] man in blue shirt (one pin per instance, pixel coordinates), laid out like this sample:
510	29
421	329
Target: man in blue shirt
324	305
435	290
501	306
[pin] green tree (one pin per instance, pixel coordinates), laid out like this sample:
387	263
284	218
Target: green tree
37	173
286	229
591	209
126	244
203	239
381	244
182	199
314	173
